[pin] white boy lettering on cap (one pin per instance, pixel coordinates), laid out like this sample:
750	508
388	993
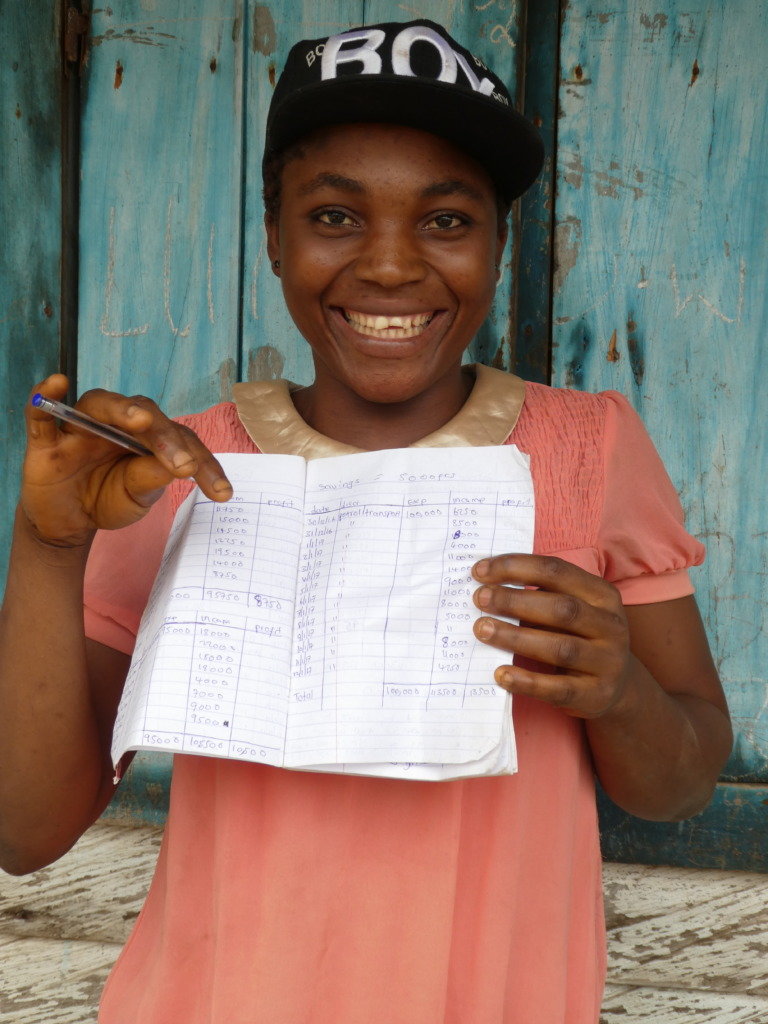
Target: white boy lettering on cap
367	54
335	53
451	60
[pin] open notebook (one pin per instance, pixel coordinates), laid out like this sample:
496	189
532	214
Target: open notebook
322	618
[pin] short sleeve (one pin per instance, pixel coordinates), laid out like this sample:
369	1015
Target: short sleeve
644	548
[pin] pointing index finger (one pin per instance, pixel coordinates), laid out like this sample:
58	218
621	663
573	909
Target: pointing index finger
41	428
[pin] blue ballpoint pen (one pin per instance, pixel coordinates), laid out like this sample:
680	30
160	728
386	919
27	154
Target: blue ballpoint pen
79	419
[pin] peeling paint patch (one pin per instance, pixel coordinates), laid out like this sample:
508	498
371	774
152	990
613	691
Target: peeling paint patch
573	172
503	356
695	72
655	25
227	375
118	75
265	363
609	185
264	39
145	36
567	247
613	355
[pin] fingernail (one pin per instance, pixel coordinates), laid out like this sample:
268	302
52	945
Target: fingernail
481	569
132	410
484	628
221	485
484	596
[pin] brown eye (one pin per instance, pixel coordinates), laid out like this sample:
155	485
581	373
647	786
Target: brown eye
334	218
446	221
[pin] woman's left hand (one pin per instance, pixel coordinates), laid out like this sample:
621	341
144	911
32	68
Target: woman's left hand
573	623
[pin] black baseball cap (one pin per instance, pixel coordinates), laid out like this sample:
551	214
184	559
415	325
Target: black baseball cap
407	73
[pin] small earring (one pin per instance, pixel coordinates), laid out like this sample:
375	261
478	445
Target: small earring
276	264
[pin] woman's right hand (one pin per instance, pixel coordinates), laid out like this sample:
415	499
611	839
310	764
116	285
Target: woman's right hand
74	482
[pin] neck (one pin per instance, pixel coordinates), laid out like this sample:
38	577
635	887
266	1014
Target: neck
337	413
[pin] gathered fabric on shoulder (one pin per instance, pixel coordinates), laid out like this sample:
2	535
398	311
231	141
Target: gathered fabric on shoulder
285	897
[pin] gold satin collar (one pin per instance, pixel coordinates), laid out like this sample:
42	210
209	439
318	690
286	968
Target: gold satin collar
487	417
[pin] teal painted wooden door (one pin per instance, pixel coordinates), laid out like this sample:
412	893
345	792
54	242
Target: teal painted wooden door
661	238
638	254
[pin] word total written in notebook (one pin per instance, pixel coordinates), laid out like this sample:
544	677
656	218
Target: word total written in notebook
322	618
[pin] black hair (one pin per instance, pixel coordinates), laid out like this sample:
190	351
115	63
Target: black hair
272	174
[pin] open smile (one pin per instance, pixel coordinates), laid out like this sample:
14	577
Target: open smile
382	327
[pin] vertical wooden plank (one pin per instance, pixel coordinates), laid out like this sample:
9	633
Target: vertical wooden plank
661	232
532	353
491	29
30	225
161	201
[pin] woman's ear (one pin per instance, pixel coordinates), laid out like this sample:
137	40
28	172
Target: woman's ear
273	242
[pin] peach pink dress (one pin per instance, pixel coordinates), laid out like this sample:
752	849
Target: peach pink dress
285	897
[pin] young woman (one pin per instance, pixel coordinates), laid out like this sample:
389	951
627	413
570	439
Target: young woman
309	898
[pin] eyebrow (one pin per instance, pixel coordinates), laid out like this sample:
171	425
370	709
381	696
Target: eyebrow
451	187
328	180
438	189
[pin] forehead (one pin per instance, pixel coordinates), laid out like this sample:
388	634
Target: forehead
371	153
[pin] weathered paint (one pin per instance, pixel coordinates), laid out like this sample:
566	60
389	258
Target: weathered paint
30	228
161	200
661	238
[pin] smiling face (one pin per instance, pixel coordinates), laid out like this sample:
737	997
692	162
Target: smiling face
388	240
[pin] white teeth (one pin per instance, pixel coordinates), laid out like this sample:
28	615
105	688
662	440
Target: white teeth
388	326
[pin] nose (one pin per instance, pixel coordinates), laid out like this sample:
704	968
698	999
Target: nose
390	257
